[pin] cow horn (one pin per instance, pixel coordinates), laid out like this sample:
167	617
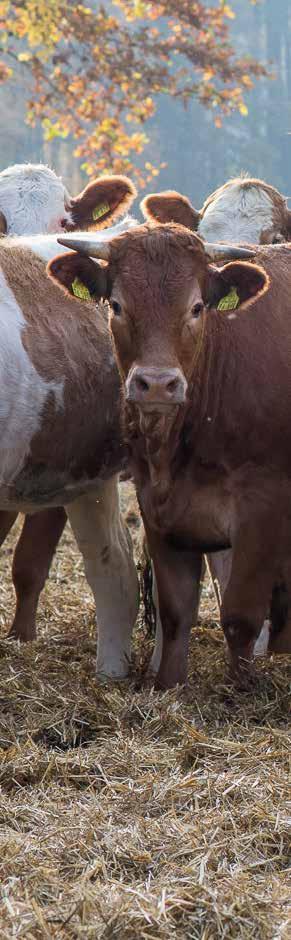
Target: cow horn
93	249
230	252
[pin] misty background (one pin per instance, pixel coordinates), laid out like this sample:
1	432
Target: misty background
199	156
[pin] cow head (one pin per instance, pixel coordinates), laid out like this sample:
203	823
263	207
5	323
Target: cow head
162	287
242	210
33	200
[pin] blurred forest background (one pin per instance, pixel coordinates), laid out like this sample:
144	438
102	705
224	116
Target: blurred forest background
199	155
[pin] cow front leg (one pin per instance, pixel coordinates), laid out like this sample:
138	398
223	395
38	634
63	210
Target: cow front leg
105	543
248	592
7	520
32	559
155	660
177	576
156	656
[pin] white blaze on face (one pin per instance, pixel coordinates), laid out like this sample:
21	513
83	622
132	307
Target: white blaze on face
23	391
33	199
238	214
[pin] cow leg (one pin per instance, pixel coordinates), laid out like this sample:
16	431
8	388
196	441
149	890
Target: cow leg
177	580
248	592
219	564
105	543
32	559
220	568
7	520
156	656
280	633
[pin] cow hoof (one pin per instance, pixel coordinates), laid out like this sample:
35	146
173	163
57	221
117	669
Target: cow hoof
103	675
24	636
242	673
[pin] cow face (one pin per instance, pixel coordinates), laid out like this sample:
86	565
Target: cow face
242	210
160	285
33	200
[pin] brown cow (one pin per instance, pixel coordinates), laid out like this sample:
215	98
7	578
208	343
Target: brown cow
208	415
242	210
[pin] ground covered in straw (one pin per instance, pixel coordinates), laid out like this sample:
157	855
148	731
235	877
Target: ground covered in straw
130	814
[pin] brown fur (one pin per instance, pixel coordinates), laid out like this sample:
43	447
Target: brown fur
214	472
75	348
118	191
170	207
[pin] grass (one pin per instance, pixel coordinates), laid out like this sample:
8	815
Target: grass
131	814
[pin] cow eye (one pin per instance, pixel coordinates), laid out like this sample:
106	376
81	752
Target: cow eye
197	309
116	307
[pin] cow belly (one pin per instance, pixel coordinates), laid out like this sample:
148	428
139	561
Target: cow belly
45	492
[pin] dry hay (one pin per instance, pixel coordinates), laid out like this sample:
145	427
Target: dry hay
131	814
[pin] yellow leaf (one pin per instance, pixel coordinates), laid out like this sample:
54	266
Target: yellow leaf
24	56
243	109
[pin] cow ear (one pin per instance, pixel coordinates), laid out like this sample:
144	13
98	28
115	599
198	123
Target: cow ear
79	276
101	202
237	284
3	224
170	207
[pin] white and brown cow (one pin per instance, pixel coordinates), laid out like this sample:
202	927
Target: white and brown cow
60	440
242	210
34	200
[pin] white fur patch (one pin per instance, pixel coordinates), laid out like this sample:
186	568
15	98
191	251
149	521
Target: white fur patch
33	199
106	547
262	643
23	391
237	214
47	246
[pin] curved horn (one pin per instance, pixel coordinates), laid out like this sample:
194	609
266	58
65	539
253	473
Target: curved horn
88	247
230	252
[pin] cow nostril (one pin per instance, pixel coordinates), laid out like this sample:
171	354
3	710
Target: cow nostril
142	384
172	385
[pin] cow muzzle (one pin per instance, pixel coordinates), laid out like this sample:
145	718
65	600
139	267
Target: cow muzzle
155	389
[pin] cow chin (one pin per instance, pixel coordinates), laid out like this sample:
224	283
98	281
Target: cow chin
154	407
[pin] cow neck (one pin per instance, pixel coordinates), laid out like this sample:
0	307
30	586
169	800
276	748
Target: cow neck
159	443
163	446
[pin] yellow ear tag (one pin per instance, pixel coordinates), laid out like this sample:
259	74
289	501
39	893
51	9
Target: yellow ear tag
100	210
230	301
80	290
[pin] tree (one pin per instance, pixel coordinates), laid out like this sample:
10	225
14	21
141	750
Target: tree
97	71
